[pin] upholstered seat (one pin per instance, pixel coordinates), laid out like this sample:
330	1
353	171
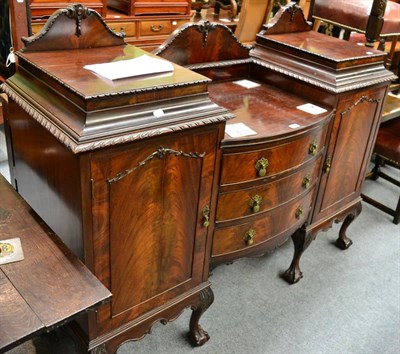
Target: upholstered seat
377	20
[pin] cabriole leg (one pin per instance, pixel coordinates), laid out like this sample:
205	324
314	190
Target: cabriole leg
343	242
197	335
301	240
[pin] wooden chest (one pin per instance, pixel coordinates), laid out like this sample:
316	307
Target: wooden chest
44	8
151	7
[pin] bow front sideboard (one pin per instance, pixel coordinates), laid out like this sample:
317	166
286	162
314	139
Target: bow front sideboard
153	180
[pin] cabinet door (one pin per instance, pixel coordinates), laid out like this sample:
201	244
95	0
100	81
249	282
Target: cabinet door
350	146
149	237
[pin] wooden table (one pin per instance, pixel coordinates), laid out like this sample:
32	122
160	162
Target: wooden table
46	289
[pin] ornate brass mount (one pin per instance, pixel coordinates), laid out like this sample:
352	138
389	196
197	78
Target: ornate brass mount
249	237
261	166
299	212
160	154
312	150
306	181
206	216
255	203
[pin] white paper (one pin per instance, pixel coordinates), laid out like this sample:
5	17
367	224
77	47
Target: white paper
238	129
246	83
311	108
143	65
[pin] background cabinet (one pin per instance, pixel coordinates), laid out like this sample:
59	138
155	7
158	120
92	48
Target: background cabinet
151	7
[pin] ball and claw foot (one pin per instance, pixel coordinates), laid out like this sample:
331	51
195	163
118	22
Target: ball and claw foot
293	275
343	243
198	337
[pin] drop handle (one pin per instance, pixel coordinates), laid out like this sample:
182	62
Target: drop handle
206	216
255	203
299	212
306	181
313	148
156	29
261	166
249	237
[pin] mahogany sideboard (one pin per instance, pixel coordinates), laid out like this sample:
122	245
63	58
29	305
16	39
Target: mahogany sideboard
300	171
142	181
122	170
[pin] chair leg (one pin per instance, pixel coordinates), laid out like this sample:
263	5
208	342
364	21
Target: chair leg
396	218
376	171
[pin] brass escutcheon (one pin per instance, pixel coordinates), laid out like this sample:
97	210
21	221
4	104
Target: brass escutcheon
255	203
249	237
261	166
206	216
299	212
306	181
312	150
327	165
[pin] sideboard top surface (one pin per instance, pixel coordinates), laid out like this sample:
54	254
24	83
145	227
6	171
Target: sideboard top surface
67	67
336	52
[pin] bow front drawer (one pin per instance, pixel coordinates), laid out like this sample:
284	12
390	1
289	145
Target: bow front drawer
273	160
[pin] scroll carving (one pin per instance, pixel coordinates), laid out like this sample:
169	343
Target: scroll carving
160	154
77	12
205	29
362	99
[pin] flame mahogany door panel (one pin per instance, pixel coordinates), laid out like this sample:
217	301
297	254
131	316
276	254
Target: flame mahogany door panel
149	237
353	132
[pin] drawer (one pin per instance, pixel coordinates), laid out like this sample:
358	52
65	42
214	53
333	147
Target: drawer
261	228
155	28
257	164
255	200
129	28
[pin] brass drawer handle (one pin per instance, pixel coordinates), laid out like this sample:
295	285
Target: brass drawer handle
255	203
122	30
249	237
306	181
312	150
261	166
206	216
299	212
156	29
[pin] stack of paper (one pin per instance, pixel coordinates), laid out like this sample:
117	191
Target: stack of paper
143	65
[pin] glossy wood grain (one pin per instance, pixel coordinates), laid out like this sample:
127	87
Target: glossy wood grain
126	171
345	177
241	167
269	111
148	225
237	204
50	286
230	239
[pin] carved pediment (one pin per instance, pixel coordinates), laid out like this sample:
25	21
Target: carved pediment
74	27
202	42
